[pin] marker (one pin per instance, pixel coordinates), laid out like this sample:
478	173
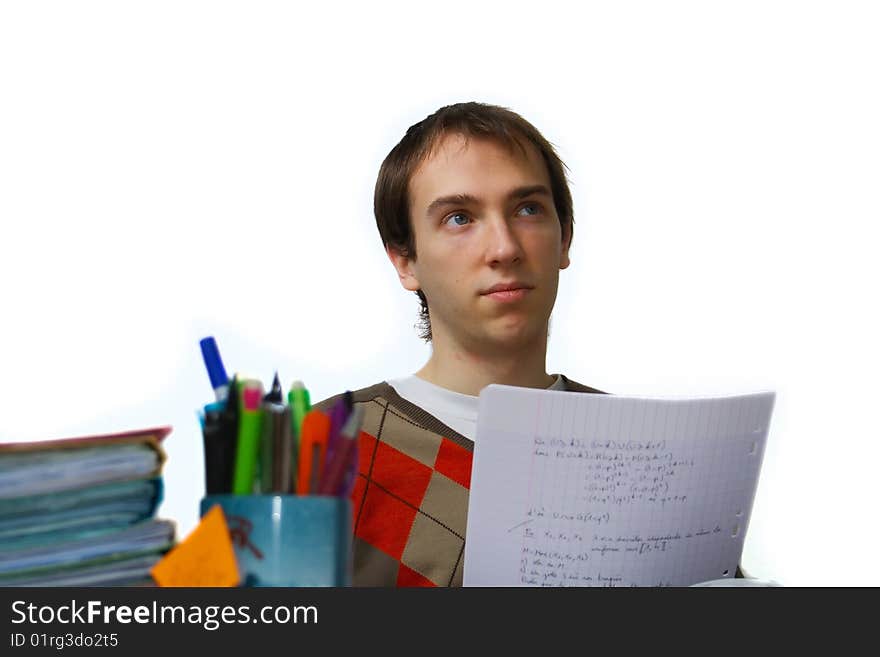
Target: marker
216	371
312	451
219	436
217	406
229	419
333	477
219	443
248	445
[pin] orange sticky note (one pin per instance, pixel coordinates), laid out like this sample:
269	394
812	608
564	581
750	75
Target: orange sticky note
204	558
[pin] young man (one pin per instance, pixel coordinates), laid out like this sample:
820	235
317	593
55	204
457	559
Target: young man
475	213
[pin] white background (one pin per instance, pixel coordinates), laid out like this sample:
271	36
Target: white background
170	170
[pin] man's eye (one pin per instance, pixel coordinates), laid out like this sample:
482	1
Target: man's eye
457	219
530	209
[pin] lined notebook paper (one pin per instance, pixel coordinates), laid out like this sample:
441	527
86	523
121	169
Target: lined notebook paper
574	489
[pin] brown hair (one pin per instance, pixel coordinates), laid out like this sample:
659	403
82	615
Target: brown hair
391	198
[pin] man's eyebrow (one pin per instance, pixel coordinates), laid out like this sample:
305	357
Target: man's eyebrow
452	199
529	190
464	199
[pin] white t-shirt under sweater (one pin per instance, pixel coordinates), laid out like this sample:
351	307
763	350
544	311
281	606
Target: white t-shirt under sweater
453	409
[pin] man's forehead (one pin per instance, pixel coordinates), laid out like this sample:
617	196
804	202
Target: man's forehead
462	164
450	147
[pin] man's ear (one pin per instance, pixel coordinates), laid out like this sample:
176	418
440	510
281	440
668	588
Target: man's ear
404	266
564	261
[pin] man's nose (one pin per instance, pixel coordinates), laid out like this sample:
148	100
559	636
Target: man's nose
502	243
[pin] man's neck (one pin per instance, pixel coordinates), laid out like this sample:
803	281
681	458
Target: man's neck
468	372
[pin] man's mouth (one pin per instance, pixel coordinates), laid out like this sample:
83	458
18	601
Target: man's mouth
513	291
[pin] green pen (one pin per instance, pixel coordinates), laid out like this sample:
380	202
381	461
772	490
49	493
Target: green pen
298	400
248	448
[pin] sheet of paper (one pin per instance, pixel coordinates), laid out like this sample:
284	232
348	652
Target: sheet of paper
205	558
574	489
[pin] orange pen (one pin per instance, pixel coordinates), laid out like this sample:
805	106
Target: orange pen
312	451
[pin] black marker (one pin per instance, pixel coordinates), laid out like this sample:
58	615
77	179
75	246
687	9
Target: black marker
219	435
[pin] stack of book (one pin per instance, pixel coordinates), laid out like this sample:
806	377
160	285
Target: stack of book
82	511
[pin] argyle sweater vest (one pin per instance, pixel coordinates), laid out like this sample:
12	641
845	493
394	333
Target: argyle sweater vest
410	498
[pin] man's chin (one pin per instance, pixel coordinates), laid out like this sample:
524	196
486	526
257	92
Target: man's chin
512	337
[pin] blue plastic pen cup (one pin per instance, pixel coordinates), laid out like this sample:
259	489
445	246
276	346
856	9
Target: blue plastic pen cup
288	540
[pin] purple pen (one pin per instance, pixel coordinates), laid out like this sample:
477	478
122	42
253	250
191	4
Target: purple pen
338	415
348	479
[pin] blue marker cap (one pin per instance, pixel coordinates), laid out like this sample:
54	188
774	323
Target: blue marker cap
216	371
214	407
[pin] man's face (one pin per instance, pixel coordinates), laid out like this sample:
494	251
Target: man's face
483	216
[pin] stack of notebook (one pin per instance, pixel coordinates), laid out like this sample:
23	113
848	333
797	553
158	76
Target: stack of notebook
81	511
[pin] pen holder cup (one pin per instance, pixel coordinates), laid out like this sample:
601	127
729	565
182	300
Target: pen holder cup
288	540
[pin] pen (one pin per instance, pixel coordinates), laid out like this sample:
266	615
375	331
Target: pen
333	477
276	446
248	445
283	453
338	415
351	470
216	371
312	451
300	404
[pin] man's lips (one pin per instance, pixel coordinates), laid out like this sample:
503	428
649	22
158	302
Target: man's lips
507	287
508	295
506	292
